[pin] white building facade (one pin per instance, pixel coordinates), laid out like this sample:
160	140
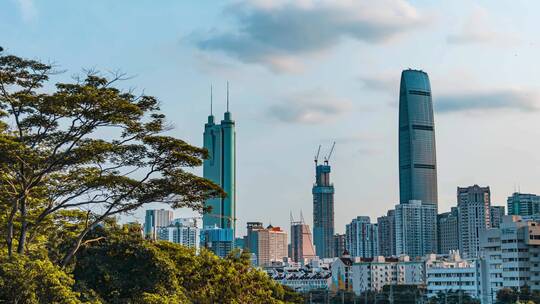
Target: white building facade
453	274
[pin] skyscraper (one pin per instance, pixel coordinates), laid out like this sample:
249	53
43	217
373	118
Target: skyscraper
323	211
361	238
524	204
154	219
339	244
448	231
417	161
220	167
497	213
474	206
387	234
301	242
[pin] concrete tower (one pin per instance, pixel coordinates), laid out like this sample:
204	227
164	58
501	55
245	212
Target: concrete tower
417	161
323	209
220	167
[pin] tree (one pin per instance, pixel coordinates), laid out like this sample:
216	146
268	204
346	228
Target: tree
450	297
32	281
124	268
86	145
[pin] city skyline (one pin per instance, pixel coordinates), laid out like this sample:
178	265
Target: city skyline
354	105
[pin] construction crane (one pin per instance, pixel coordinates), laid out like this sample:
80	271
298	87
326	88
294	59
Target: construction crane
327	158
317	156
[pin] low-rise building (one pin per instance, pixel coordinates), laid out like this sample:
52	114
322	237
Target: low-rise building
218	240
342	272
315	275
453	274
373	274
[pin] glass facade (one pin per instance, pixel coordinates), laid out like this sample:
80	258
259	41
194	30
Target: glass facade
417	161
323	212
220	167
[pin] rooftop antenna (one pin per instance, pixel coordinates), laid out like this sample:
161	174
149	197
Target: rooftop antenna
327	158
292	219
317	156
211	100
301	216
227	96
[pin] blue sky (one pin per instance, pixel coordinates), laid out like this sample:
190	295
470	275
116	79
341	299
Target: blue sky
308	72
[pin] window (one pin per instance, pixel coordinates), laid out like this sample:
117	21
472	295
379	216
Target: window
422	93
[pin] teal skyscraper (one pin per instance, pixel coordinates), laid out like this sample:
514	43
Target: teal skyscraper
220	167
323	209
417	160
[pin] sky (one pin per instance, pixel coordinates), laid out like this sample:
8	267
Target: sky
307	72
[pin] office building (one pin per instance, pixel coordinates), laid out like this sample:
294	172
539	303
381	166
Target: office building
453	274
416	228
417	160
323	211
497	213
268	244
302	249
524	204
182	231
361	238
220	167
339	244
154	219
218	240
474	206
387	230
448	231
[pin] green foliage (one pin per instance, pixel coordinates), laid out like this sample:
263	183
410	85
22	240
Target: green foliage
452	297
123	268
86	145
74	157
524	295
31	281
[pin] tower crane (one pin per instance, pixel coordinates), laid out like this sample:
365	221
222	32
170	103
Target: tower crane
317	156
327	158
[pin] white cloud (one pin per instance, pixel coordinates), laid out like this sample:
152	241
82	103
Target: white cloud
279	33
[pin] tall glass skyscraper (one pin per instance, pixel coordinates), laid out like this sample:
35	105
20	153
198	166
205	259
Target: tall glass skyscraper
417	161
323	212
220	167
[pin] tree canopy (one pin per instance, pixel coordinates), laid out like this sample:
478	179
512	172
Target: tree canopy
75	155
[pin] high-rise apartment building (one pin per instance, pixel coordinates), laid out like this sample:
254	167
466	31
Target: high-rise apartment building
302	249
339	244
323	211
448	231
417	160
220	167
361	238
512	256
387	234
268	244
524	204
416	228
154	219
497	213
182	231
474	206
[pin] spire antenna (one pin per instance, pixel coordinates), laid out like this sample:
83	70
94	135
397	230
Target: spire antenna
227	96
211	100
